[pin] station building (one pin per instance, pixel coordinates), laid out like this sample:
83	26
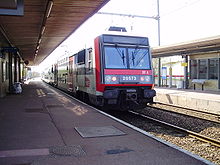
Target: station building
12	66
194	64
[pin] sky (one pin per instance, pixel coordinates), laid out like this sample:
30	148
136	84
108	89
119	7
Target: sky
180	21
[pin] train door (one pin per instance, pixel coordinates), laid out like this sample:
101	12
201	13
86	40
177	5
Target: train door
55	74
80	70
74	73
89	75
70	75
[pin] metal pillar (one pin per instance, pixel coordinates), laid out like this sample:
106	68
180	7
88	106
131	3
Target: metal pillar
170	76
159	72
158	21
186	80
10	72
15	68
158	30
19	69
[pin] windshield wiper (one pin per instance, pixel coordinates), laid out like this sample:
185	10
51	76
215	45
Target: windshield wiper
121	54
134	53
132	57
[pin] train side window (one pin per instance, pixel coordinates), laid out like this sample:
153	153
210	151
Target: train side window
75	58
81	57
52	69
90	59
90	54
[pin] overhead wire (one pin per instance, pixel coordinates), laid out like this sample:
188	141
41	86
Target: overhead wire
187	4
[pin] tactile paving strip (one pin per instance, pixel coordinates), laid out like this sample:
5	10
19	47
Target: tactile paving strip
88	132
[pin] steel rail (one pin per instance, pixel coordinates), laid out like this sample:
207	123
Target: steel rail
191	133
217	116
190	109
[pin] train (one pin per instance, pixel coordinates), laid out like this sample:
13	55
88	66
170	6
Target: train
114	73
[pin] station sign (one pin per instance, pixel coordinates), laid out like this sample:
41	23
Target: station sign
184	64
164	73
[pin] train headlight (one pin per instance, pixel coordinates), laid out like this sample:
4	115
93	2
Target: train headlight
108	79
114	78
111	79
146	79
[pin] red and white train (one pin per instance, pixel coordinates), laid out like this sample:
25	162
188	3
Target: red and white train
116	72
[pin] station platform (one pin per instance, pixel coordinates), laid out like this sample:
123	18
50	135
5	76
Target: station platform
42	126
207	101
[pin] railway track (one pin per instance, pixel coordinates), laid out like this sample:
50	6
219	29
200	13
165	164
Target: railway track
212	117
190	133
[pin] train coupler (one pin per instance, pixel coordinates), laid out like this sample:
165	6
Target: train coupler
131	95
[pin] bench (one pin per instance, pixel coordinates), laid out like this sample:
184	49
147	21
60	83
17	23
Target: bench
198	81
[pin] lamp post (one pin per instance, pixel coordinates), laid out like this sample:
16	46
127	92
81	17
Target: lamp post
158	32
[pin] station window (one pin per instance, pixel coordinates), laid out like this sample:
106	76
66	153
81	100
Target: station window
193	69
203	69
213	68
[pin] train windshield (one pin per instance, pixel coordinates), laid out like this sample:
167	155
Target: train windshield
126	58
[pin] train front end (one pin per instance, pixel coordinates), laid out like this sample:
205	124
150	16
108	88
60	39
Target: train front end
124	73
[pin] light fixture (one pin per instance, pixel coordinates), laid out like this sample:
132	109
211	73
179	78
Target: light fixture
39	41
49	8
46	15
114	78
42	30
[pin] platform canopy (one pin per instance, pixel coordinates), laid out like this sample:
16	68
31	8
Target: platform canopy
37	27
205	45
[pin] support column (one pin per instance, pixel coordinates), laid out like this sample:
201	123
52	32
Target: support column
170	76
10	72
19	69
15	68
159	72
186	80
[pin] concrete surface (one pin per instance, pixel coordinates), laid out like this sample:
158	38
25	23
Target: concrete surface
37	127
200	100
